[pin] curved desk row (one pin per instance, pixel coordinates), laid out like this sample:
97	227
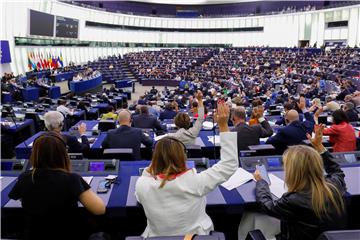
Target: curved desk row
121	195
85	85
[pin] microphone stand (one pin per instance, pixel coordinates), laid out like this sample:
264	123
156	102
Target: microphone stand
11	112
214	134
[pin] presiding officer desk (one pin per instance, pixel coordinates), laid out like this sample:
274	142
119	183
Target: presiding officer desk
82	86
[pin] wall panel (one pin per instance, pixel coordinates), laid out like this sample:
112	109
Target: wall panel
279	30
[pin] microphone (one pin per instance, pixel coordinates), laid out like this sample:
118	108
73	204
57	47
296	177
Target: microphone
11	113
214	133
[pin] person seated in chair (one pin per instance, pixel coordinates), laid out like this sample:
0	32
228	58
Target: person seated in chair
54	121
250	135
174	196
351	113
314	201
50	193
62	108
185	133
145	120
110	114
341	133
126	136
168	113
295	131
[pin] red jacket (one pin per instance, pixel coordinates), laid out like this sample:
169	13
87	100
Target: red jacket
342	137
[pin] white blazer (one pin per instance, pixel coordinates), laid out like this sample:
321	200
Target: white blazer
179	207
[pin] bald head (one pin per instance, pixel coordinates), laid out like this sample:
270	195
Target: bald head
124	117
292	116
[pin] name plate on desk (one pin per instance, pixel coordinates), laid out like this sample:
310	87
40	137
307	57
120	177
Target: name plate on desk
95	167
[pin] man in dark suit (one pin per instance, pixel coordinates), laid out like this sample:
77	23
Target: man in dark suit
54	121
127	137
145	120
250	135
168	112
350	111
295	131
287	107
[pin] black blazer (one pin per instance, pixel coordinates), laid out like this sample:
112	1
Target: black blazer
127	137
250	135
167	114
294	209
292	134
352	115
146	121
74	146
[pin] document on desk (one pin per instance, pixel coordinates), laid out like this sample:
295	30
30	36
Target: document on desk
277	186
157	138
95	127
170	126
215	141
208	125
88	179
240	177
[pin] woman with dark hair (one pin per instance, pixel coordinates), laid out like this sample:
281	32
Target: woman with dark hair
342	134
185	133
50	192
174	196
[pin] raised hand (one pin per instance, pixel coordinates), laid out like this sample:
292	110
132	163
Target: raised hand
318	112
257	175
316	141
82	128
199	95
222	116
260	111
302	103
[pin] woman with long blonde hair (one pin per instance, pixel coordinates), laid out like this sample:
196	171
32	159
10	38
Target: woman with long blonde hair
314	201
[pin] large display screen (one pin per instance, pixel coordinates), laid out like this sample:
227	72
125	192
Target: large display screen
67	27
41	24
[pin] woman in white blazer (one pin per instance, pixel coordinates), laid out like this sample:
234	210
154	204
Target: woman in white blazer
185	133
174	197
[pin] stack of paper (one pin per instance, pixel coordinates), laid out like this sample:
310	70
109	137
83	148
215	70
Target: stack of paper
240	177
277	186
215	140
208	125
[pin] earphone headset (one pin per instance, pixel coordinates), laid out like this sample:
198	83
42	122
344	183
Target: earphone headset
175	140
53	135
